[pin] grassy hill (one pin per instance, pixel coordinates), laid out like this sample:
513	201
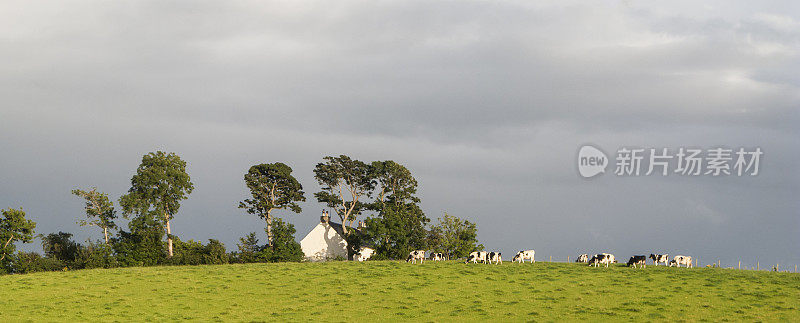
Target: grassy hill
444	291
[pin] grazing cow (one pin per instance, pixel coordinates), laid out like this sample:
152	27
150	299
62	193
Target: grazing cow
416	255
638	260
495	257
364	253
525	254
660	258
602	258
437	256
476	256
584	258
681	260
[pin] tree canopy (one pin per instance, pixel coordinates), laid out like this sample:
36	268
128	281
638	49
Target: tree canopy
346	184
157	188
272	187
14	227
394	183
454	237
399	225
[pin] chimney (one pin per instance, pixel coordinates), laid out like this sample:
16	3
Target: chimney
324	218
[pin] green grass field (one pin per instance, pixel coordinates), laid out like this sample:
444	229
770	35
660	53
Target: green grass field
392	290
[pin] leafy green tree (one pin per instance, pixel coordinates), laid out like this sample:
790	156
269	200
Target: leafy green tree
395	184
157	188
346	184
99	210
61	246
248	249
214	253
399	226
284	247
143	245
13	227
96	255
397	230
272	187
454	237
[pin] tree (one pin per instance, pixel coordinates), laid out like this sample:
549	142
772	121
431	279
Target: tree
399	226
143	245
99	210
248	249
284	248
14	227
159	185
395	183
346	183
397	230
61	246
272	187
454	237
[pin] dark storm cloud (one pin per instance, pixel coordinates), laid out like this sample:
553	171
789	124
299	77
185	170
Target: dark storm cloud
485	102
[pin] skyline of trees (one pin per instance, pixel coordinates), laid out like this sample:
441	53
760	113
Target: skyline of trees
384	192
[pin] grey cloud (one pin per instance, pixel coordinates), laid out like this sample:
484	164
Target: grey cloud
485	102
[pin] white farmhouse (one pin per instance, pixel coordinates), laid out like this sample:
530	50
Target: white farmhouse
325	241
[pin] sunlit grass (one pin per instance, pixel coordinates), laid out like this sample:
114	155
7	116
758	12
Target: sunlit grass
440	291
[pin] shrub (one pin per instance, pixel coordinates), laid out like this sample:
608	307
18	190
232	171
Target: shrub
61	247
96	255
31	262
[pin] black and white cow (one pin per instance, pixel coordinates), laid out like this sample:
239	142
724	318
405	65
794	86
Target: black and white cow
602	258
364	253
416	255
660	258
584	258
638	260
495	257
681	260
525	254
437	256
477	256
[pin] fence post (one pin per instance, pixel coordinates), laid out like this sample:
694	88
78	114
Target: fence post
567	258
758	266
740	265
551	258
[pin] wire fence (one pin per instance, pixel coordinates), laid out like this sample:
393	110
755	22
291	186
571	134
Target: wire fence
777	267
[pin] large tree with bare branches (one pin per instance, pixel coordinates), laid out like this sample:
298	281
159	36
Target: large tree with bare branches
346	185
99	210
272	187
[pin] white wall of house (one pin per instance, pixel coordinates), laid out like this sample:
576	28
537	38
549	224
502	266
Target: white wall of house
323	242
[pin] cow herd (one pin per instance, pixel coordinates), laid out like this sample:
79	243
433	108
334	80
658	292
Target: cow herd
492	257
637	261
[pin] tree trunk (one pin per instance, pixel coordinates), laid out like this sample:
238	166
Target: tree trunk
105	234
269	228
6	245
169	240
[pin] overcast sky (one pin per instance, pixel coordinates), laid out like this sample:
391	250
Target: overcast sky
486	102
